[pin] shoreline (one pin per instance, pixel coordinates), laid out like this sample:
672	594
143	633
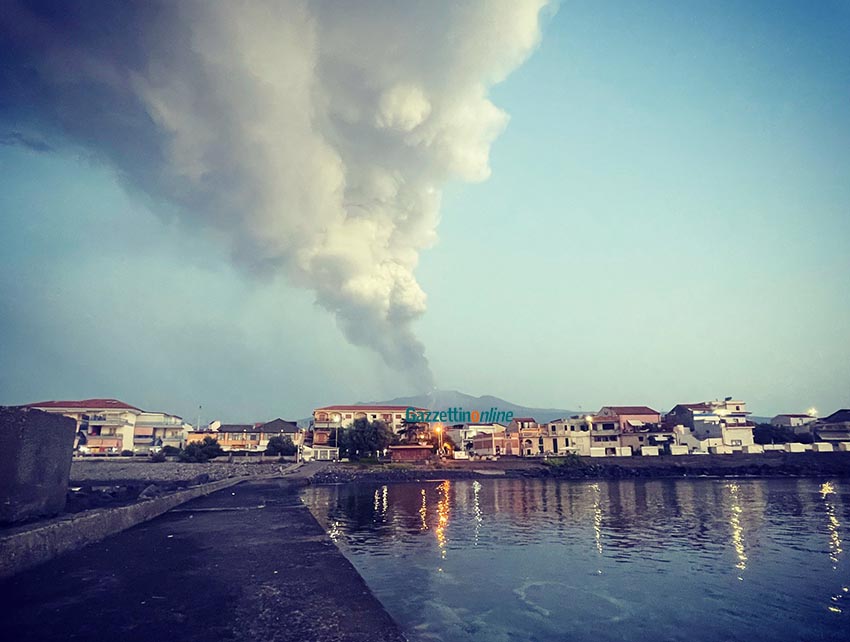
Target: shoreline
773	465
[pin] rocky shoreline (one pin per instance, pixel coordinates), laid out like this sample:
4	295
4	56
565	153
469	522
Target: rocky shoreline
771	465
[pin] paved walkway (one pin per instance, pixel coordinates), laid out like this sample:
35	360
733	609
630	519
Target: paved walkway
246	563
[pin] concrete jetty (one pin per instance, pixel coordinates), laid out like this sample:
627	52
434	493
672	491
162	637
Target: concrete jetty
246	563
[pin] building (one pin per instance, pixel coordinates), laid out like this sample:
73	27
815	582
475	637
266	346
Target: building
711	424
464	434
254	437
494	443
156	430
524	438
344	416
317	446
834	428
566	436
794	421
632	418
410	453
110	426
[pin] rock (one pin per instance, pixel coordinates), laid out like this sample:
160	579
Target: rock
203	478
35	460
150	491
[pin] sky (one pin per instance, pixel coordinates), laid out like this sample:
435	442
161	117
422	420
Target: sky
663	219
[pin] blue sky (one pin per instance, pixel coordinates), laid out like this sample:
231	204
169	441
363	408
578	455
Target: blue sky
666	221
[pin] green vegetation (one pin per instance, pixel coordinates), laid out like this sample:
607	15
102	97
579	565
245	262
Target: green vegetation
200	452
570	460
768	434
364	441
281	446
158	458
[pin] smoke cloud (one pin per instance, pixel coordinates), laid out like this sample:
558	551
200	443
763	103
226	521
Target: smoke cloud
313	136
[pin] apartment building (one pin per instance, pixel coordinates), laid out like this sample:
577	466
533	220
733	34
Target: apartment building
110	426
344	416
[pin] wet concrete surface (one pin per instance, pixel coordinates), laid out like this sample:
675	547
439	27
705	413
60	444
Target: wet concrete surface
246	563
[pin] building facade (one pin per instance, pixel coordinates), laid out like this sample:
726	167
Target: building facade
110	426
345	416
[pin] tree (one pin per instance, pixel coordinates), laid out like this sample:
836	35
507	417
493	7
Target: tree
411	432
368	438
434	439
281	445
769	434
199	452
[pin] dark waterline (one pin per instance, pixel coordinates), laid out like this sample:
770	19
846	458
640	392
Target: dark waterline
619	560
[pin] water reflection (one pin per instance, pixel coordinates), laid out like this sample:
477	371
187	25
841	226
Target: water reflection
509	559
423	511
443	512
827	490
477	515
597	517
737	529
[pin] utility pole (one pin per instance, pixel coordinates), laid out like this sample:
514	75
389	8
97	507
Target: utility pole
199	418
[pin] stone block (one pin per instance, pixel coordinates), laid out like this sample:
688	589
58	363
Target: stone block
35	462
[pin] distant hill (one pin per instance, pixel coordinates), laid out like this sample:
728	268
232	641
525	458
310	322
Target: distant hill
444	399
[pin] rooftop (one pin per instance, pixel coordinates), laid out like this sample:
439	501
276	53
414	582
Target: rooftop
365	408
839	416
85	404
632	410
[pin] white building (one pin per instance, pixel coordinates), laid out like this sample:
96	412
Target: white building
712	424
799	422
110	426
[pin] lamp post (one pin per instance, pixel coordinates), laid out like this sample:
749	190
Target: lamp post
439	429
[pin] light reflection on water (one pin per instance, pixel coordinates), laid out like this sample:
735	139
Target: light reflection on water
544	560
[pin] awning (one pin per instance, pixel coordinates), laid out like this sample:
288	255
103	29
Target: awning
634	423
103	442
141	431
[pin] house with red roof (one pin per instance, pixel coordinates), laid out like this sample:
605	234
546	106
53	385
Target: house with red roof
111	426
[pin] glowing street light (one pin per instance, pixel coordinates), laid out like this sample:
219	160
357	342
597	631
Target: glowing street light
439	429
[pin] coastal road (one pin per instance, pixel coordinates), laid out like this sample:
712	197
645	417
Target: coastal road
246	563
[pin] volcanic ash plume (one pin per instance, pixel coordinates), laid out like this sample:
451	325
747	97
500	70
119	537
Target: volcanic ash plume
314	136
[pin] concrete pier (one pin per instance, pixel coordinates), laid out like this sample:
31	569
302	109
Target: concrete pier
246	563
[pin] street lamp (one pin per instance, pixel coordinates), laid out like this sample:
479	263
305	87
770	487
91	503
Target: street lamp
439	429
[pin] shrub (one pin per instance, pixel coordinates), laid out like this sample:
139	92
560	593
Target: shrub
281	445
170	451
199	452
158	458
127	453
570	460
